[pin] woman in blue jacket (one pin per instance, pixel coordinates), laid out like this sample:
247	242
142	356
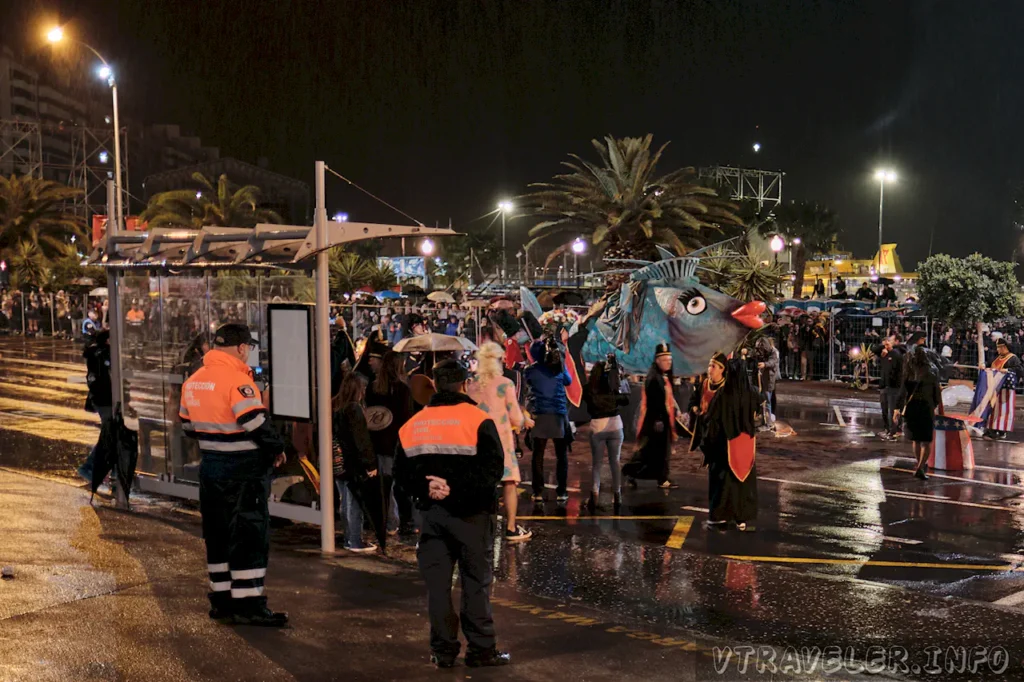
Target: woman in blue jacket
547	378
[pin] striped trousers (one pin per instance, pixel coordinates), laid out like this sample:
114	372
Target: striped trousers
236	529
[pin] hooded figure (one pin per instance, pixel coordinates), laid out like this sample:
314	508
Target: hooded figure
722	418
658	423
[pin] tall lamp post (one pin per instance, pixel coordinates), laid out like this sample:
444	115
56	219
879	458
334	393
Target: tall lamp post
883	175
427	249
777	244
56	35
578	246
504	207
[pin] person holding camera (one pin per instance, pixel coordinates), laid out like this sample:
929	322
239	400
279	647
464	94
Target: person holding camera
547	378
605	401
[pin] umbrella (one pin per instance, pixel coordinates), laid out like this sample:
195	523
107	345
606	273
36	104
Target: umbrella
387	293
413	290
425	343
498	304
84	282
98	291
883	280
118	452
477	303
569	298
440	297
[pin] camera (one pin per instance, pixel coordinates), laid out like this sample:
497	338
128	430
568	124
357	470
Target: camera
552	354
611	362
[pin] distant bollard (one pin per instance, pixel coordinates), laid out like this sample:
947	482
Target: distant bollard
7	573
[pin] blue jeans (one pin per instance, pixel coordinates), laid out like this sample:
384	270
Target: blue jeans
612	441
385	467
353	517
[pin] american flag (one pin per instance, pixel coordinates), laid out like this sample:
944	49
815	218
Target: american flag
951	446
995	399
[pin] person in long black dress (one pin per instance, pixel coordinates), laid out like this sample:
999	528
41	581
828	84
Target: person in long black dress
919	398
722	412
657	426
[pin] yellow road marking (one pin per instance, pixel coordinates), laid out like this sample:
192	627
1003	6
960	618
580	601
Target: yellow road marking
678	536
872	562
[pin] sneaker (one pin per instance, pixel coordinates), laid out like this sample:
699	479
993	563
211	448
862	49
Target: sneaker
562	498
666	485
365	549
488	658
443	660
517	535
538	497
262	618
221	614
617	503
743	527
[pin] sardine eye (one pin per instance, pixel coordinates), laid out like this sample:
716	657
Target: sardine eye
696	305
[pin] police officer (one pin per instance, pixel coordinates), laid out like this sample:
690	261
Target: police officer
450	459
222	409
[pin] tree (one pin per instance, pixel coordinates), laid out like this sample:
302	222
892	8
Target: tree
380	276
348	272
968	291
225	205
34	211
482	245
28	266
747	274
815	225
623	207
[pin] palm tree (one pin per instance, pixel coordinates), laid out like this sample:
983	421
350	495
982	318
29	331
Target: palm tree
33	210
28	266
348	272
815	225
380	276
623	207
225	205
747	274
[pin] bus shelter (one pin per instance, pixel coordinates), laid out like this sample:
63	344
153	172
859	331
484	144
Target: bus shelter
171	288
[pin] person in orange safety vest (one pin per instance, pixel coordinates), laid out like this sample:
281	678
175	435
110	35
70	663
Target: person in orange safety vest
223	410
450	459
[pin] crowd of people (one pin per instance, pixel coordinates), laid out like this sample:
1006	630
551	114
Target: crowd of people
35	313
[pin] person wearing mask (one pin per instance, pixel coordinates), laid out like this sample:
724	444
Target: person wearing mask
223	410
919	400
1005	361
656	427
604	399
722	419
389	404
354	458
452	473
496	395
546	379
890	354
101	392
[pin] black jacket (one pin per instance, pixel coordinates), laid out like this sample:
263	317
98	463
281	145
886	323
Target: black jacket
97	363
353	444
891	365
473	480
399	404
602	404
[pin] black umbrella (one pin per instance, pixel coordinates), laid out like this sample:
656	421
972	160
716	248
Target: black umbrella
117	451
884	280
569	298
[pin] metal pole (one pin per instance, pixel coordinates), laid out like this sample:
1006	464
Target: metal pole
117	158
504	255
323	368
53	319
881	197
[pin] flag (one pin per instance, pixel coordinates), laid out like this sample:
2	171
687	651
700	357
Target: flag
951	447
994	399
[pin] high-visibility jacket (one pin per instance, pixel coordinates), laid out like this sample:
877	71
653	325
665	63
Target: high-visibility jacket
455	440
222	409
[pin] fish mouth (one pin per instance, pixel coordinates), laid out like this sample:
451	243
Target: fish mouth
749	314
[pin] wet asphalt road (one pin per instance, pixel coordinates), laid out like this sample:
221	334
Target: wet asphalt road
849	552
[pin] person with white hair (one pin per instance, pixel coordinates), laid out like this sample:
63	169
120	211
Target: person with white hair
496	395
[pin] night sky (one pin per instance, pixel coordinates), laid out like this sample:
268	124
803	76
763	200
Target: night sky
445	107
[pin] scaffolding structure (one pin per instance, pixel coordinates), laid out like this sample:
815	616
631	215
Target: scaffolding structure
76	156
747	183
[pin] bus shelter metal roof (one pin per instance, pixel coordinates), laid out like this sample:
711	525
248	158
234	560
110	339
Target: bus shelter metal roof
213	247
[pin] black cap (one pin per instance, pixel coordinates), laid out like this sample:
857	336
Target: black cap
233	334
1001	342
449	372
662	349
916	337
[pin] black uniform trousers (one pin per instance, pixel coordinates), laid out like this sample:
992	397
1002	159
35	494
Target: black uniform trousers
236	528
444	540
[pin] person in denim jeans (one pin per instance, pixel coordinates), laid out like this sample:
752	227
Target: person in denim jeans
604	400
354	457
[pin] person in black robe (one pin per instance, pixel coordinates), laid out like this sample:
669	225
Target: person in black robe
657	426
722	412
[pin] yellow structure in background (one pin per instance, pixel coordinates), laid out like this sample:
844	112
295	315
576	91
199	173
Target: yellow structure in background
885	263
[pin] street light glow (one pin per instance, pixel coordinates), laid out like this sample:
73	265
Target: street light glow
427	247
757	147
578	246
55	35
796	240
885	175
104	72
777	243
103	157
341	217
505	206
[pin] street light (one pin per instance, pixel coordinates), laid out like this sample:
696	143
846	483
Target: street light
504	206
56	35
341	217
427	247
578	246
883	175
